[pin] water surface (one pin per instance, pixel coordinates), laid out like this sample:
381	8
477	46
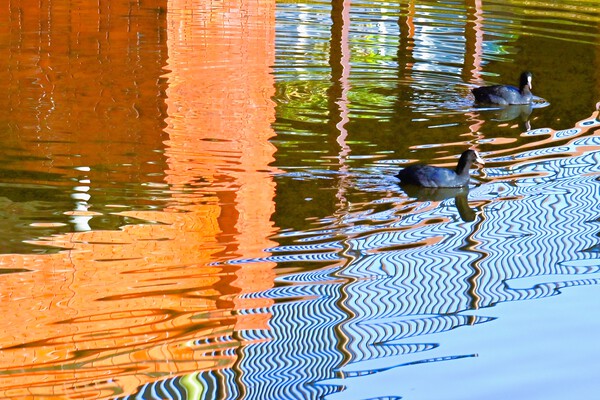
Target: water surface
200	201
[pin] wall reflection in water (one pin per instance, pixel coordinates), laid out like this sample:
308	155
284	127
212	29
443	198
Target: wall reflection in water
102	96
139	149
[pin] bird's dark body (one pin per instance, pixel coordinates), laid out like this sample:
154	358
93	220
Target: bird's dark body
501	95
506	94
432	177
438	177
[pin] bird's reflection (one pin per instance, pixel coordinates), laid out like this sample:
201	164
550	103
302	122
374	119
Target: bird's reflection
460	196
515	111
519	112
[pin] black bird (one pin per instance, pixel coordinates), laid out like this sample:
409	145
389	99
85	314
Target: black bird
433	177
506	94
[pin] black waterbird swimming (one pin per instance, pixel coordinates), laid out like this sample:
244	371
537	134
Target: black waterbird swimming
434	177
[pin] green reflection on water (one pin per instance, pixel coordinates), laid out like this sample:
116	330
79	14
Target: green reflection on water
409	74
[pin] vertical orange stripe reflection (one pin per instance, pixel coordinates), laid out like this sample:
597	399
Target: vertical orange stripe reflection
220	114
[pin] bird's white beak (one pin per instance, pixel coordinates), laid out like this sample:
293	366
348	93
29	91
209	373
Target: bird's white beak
529	82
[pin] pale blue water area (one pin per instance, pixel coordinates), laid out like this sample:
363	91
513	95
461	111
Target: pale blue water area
383	292
516	355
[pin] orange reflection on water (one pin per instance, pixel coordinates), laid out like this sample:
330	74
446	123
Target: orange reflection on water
220	109
116	309
81	88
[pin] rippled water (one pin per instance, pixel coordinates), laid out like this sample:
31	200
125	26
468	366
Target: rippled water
200	201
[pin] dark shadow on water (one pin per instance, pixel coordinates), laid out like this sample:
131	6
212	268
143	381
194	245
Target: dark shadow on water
460	196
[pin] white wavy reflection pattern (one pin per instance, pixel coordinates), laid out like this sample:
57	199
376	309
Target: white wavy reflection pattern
392	280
